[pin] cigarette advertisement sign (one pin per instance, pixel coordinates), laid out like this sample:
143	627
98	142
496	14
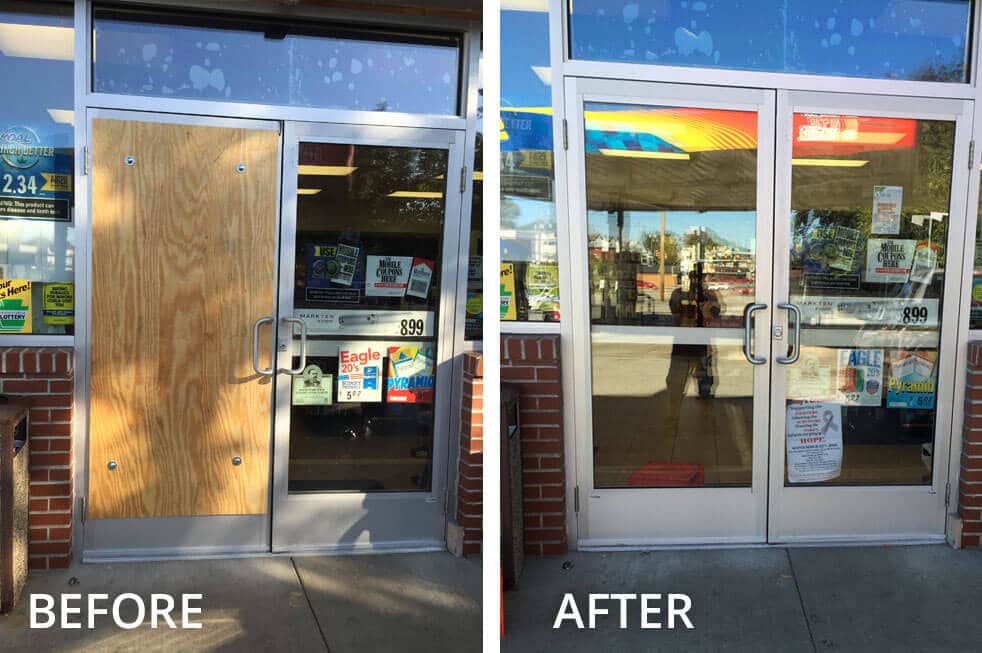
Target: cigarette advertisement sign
924	264
887	203
410	375
860	377
419	278
912	381
814	443
15	306
387	276
58	303
35	177
312	388
359	372
888	260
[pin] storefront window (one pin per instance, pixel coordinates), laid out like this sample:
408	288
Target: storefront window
529	267
975	314
474	322
184	57
894	39
37	262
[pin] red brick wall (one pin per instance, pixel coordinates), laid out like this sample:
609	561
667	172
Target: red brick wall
970	474
43	380
469	472
533	363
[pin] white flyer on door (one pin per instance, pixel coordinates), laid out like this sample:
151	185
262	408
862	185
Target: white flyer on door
387	276
888	260
887	202
359	372
814	433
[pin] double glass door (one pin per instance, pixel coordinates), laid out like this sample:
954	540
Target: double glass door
764	314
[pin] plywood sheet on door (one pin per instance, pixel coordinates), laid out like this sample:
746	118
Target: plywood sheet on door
183	264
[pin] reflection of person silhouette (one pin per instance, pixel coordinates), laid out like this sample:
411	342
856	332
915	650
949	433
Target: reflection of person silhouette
698	307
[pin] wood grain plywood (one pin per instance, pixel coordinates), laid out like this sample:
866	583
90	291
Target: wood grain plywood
183	264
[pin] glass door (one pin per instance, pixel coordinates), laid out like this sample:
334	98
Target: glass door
871	208
369	267
671	196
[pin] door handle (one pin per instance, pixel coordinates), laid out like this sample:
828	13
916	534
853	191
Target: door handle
255	346
303	344
796	344
748	312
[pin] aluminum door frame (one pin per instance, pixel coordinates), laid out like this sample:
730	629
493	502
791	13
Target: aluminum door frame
611	518
918	513
106	540
408	521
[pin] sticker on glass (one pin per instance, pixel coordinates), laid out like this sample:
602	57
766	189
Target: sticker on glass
313	387
419	278
887	203
411	377
359	372
15	306
860	377
888	260
387	276
912	380
58	303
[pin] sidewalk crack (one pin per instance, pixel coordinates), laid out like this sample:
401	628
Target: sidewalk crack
310	605
801	600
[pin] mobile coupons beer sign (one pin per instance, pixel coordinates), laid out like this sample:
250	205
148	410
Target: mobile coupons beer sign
15	306
410	378
359	372
35	178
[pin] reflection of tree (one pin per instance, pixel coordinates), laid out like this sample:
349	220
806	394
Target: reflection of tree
385	170
651	242
510	213
942	71
705	239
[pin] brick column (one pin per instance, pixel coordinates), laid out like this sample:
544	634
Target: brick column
470	468
970	474
533	363
43	380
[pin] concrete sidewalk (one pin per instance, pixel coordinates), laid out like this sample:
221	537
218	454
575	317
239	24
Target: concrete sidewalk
396	602
908	598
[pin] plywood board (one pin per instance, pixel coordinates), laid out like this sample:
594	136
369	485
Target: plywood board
183	264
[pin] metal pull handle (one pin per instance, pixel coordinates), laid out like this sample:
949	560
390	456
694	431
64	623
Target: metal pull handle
255	346
303	344
796	344
748	312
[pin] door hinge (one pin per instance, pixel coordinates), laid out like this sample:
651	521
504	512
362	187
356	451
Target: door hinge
463	179
576	499
971	154
85	160
565	134
81	509
947	494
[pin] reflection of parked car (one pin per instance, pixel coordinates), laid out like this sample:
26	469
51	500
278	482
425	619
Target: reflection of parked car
646	284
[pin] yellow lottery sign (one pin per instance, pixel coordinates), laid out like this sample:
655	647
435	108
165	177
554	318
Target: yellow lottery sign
15	306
